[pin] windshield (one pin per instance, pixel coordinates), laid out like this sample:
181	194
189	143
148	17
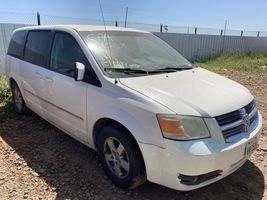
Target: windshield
126	53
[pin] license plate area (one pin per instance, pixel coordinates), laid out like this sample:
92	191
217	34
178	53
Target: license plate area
251	146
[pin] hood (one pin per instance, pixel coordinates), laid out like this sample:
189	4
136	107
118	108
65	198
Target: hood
196	92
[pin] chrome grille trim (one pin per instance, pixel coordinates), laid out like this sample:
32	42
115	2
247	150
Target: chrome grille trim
252	113
232	125
239	123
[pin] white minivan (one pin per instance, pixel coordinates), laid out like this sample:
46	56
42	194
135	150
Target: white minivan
149	113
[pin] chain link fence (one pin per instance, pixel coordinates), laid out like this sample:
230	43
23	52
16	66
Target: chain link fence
193	42
31	18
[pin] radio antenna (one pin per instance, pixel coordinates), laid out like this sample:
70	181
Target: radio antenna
101	10
104	23
106	35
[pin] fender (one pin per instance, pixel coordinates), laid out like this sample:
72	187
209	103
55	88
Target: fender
139	129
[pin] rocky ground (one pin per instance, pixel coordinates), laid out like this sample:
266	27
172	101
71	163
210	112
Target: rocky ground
37	161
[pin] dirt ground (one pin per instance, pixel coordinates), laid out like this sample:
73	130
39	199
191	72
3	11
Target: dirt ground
37	161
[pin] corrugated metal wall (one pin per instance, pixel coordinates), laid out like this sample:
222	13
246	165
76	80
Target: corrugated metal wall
204	46
191	46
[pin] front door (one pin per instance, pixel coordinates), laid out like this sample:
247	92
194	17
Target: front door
66	98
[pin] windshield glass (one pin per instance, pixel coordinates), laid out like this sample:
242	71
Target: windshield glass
123	53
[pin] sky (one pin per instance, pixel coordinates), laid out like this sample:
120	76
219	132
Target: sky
240	14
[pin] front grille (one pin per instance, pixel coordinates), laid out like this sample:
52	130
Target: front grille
228	118
239	123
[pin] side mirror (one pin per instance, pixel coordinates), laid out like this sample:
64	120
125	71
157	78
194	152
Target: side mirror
79	71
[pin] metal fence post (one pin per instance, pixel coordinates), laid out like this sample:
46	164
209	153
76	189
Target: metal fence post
38	19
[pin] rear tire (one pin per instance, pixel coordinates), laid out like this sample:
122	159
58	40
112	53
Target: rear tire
120	157
18	100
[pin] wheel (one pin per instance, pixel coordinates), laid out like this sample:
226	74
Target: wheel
18	100
120	157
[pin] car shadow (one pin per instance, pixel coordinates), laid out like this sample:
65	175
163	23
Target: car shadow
74	172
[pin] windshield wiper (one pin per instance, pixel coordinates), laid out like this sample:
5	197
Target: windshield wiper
126	70
172	69
140	71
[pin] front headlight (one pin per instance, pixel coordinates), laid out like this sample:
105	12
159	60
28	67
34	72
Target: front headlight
180	127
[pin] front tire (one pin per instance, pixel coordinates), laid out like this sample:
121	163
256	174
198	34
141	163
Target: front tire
18	100
120	157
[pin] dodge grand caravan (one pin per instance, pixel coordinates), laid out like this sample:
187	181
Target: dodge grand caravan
148	112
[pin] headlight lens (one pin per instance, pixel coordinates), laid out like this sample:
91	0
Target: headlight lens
180	127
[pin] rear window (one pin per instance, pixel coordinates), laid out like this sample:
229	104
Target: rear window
37	47
16	44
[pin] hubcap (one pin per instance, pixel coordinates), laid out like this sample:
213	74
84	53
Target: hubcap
18	98
116	157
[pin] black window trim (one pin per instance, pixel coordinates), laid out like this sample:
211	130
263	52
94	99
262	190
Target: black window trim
97	82
49	46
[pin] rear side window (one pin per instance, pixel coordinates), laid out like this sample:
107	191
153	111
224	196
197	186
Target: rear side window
37	47
16	44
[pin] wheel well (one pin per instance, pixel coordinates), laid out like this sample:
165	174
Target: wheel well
107	122
11	82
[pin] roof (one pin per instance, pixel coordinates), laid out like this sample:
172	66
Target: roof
84	28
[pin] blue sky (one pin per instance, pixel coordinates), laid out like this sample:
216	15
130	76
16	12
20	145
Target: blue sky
240	14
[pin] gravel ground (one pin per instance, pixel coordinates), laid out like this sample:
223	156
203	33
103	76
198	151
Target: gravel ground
37	161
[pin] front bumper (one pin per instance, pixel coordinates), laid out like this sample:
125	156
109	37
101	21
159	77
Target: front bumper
195	158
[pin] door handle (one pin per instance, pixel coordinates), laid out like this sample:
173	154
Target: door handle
38	75
49	79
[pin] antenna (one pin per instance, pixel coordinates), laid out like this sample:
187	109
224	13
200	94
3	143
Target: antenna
106	33
103	19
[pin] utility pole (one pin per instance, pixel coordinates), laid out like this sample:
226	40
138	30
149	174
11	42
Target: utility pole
126	15
223	39
38	19
225	26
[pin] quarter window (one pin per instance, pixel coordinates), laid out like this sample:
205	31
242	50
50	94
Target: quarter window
37	47
17	44
65	52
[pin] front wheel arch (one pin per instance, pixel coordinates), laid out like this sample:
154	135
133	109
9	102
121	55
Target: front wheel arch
137	171
100	123
103	122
